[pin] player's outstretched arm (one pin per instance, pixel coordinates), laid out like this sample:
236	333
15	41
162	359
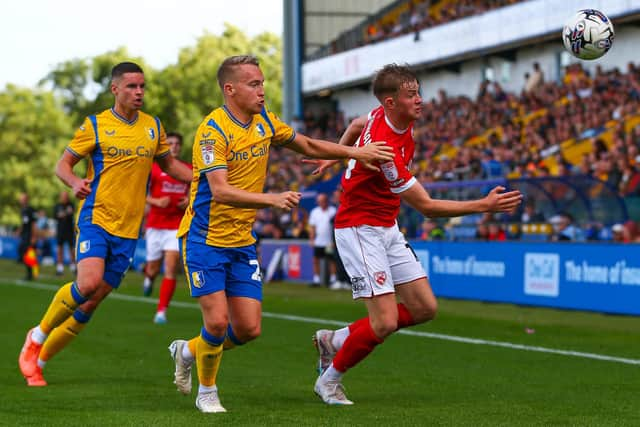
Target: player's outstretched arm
496	201
320	149
348	138
227	194
64	170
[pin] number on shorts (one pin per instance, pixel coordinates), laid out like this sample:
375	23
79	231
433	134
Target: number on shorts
256	274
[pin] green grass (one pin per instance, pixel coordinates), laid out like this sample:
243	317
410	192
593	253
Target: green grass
119	373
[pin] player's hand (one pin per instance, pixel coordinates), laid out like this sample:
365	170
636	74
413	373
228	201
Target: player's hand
370	165
183	203
81	188
377	150
163	202
498	201
287	200
321	165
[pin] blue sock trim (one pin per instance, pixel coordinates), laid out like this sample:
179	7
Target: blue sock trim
77	296
211	339
232	336
81	316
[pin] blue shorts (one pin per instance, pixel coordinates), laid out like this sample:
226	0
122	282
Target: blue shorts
211	269
117	252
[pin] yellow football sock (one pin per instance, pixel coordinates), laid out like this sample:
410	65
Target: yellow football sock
192	345
208	357
64	303
63	334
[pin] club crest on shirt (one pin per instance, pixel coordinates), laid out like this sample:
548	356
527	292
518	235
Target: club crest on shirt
380	277
84	246
208	156
197	278
260	129
152	133
390	171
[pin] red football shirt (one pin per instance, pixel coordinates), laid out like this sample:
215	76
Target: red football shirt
160	185
371	197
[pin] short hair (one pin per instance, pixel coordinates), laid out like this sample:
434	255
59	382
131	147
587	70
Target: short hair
225	71
390	79
125	67
175	135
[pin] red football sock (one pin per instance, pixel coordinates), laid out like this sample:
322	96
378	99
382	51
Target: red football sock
357	346
167	287
358	323
404	319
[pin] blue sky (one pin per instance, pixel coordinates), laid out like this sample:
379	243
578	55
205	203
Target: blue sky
38	34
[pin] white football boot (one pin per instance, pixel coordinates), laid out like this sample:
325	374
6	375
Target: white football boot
182	378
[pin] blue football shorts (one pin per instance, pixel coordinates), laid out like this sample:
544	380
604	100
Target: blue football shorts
211	269
117	252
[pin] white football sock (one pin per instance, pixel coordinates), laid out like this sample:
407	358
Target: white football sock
205	389
186	354
332	374
38	336
339	337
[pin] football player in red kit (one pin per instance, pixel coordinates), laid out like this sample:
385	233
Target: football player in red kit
167	199
384	271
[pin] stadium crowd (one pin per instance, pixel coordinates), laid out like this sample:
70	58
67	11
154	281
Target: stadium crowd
585	125
410	16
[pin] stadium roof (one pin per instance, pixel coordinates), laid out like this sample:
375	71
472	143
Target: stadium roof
325	20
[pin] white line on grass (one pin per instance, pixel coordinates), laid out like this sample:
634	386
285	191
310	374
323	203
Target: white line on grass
294	318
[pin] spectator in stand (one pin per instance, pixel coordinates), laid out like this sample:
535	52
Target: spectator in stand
618	234
629	184
496	233
298	228
321	236
64	213
530	215
431	230
564	228
631	232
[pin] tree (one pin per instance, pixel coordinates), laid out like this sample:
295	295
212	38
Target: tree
36	125
188	90
85	84
34	130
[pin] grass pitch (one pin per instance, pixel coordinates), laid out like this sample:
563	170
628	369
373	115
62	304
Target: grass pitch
512	372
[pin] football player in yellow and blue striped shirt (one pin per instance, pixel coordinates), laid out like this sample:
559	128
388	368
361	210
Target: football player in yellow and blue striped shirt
230	154
120	145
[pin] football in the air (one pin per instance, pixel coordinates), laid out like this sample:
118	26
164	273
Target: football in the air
588	34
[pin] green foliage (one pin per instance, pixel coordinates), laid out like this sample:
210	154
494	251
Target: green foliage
36	125
34	130
187	91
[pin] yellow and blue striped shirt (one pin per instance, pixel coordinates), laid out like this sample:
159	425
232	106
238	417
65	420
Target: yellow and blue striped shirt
120	155
223	142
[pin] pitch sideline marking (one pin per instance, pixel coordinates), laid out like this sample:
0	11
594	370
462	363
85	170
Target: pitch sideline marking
445	337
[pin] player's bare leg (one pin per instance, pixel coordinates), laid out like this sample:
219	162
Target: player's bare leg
417	296
151	270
